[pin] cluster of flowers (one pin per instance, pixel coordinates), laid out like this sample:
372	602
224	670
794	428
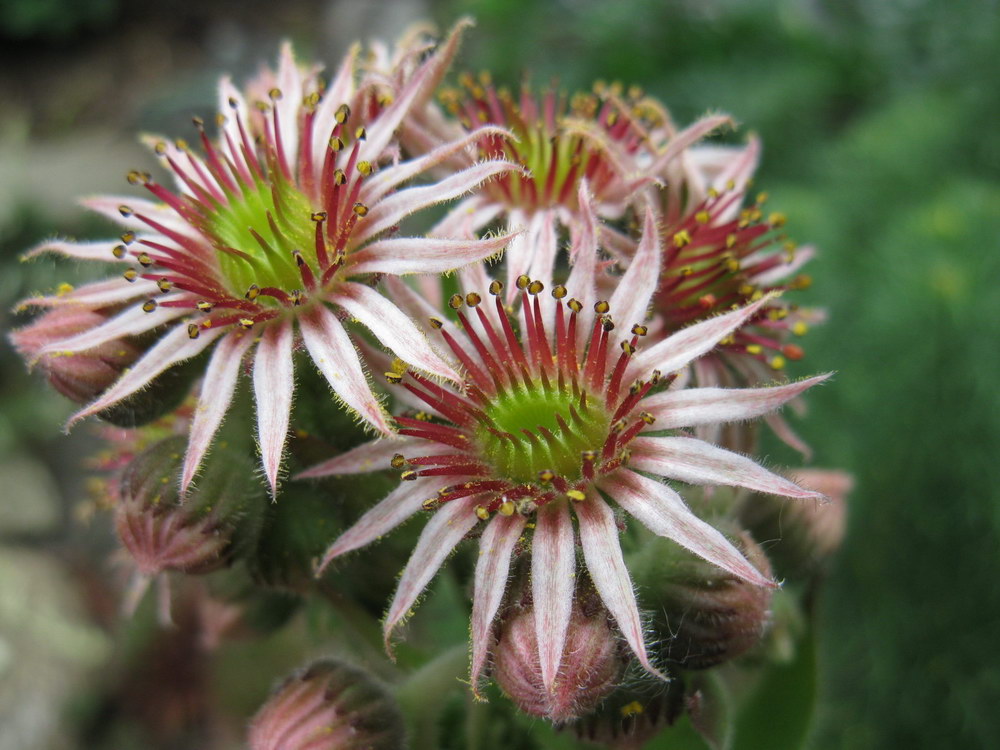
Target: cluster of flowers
616	317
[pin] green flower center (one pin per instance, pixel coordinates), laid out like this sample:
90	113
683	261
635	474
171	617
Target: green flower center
546	430
266	225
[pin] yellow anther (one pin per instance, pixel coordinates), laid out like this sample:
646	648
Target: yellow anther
342	114
507	508
496	287
128	237
730	184
601	307
397	461
588	456
632	709
576	495
535	287
713	193
339	178
193	331
336	143
144	260
360	209
646	417
205	306
131	275
436	323
394	377
482	513
118	251
802	281
731	240
455	301
165	285
627	348
125	211
682	238
149	305
746	289
777	219
408	476
252	292
732	265
274	94
545	476
800	328
762	197
523	281
702	217
754	349
360	134
365	168
559	291
472	299
246	323
777	362
429	504
639	330
319	216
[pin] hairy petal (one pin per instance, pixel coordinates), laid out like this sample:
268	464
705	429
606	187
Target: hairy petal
634	292
175	347
603	555
423	255
130	322
691	407
98	294
217	390
374	455
697	462
466	218
552	582
492	568
335	356
447	527
273	383
392	328
96	250
686	138
661	510
390	512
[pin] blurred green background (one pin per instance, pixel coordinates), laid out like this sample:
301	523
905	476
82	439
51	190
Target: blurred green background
879	121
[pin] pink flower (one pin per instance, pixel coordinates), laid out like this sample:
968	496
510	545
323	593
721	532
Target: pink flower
560	416
272	237
616	144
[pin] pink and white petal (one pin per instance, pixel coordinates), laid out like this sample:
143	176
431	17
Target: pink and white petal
780	427
217	390
391	210
273	384
340	91
392	327
543	260
781	272
97	294
392	510
619	245
467	217
391	177
698	406
474	278
689	343
411	301
423	254
335	356
521	252
634	292
234	107
661	510
130	322
492	568
740	170
447	527
686	138
110	206
553	563
97	250
582	281
374	455
419	85
603	555
165	149
289	82
175	347
696	462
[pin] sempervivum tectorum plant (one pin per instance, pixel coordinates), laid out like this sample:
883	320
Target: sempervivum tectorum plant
561	414
616	143
275	233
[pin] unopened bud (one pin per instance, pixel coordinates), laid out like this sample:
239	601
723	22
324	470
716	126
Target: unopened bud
195	534
328	706
707	616
79	376
806	533
589	670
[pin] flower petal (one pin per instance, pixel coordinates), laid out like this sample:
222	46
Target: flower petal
273	383
466	218
339	91
661	510
217	390
687	137
335	356
176	346
697	406
689	343
634	292
492	568
371	456
447	527
130	322
96	250
392	328
423	254
98	294
603	554
396	507
539	237
698	462
553	562
110	206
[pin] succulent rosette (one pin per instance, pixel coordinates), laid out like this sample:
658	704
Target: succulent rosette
274	235
562	414
615	142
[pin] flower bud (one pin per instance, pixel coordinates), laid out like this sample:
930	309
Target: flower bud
807	533
707	616
79	376
589	670
328	706
195	534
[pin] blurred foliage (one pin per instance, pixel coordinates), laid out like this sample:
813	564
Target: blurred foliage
877	118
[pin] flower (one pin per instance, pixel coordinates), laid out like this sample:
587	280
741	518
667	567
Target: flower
560	416
278	230
615	143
